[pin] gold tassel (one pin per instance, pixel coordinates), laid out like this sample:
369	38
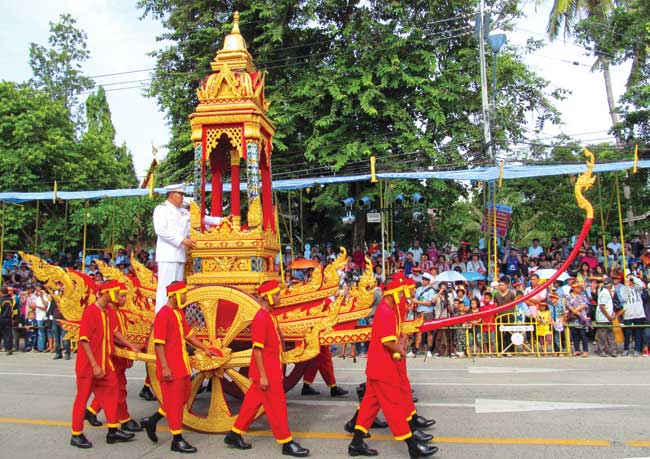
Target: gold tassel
636	157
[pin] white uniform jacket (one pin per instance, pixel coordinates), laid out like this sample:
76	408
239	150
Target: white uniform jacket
172	225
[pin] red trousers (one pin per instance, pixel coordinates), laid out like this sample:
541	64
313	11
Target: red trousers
122	409
389	398
105	391
323	363
405	389
175	394
275	406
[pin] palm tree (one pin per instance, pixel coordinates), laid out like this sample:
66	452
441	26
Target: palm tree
565	14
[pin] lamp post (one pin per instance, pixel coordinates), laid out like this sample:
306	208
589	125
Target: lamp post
496	39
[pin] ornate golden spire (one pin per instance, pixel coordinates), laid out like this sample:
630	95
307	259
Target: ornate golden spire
234	53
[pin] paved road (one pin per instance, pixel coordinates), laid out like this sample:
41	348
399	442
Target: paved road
505	408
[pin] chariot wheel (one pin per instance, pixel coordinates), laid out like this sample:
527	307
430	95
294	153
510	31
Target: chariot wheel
226	312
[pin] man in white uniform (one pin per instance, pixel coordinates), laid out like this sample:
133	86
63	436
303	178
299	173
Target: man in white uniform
172	225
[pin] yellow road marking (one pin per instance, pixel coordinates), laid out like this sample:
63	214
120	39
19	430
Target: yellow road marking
341	436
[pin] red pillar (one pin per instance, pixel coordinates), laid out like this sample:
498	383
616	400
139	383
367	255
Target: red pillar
216	166
267	194
235	198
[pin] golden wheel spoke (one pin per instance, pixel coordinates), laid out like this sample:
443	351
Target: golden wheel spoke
239	359
218	406
238	324
240	380
196	385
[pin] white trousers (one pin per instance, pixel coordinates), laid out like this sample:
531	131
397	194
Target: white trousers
168	272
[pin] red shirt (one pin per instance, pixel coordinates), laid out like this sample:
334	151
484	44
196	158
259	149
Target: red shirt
171	329
265	336
95	328
489	319
117	321
381	365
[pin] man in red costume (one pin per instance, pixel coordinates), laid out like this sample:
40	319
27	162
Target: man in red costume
95	370
117	321
323	363
383	385
170	331
266	373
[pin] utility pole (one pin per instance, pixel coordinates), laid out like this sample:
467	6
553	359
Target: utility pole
487	134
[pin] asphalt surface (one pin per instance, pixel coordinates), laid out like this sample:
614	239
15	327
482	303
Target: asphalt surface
503	408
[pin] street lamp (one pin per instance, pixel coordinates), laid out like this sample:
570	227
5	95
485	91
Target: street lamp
496	39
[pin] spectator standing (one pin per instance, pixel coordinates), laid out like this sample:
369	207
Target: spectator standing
512	262
614	245
6	320
40	303
475	264
577	306
633	315
417	251
604	317
425	298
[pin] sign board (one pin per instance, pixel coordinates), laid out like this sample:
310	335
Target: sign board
503	219
516	328
374	217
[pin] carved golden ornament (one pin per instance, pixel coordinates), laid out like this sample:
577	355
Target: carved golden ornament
234	135
146	278
584	182
331	277
412	326
255	212
355	335
313	285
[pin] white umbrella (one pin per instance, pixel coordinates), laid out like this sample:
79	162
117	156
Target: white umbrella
545	274
450	276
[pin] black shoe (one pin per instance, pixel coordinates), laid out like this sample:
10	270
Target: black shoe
182	446
336	391
308	390
420	422
146	394
236	441
361	450
118	436
10	352
67	356
361	391
421	437
150	428
57	356
294	449
131	426
415	399
417	450
349	427
379	424
92	418
80	441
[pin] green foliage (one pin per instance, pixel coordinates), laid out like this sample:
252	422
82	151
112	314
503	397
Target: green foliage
398	80
57	69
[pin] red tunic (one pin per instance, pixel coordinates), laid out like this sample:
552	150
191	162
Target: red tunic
95	328
171	329
117	320
265	336
381	365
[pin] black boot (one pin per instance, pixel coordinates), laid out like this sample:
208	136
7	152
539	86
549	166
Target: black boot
350	425
336	391
149	426
80	441
361	390
180	445
235	440
420	422
131	426
308	390
58	356
294	449
421	437
379	424
417	450
146	394
358	447
117	436
92	418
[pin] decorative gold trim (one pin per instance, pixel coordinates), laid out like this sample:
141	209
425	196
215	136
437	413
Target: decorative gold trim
584	182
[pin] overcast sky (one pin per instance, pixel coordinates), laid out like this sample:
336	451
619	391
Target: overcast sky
119	42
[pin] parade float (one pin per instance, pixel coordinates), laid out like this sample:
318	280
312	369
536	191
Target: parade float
230	132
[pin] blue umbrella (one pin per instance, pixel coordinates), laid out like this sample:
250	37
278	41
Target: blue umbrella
472	276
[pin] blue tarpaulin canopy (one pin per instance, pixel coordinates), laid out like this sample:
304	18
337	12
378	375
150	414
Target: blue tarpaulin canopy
484	174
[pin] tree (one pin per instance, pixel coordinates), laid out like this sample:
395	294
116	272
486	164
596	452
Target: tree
347	80
565	14
57	69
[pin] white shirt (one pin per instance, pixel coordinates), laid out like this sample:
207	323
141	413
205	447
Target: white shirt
535	252
417	254
172	225
633	304
605	299
616	247
41	302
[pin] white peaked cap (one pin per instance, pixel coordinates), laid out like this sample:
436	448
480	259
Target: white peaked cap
179	188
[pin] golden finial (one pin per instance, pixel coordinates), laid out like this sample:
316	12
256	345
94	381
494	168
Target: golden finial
235	23
234	40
